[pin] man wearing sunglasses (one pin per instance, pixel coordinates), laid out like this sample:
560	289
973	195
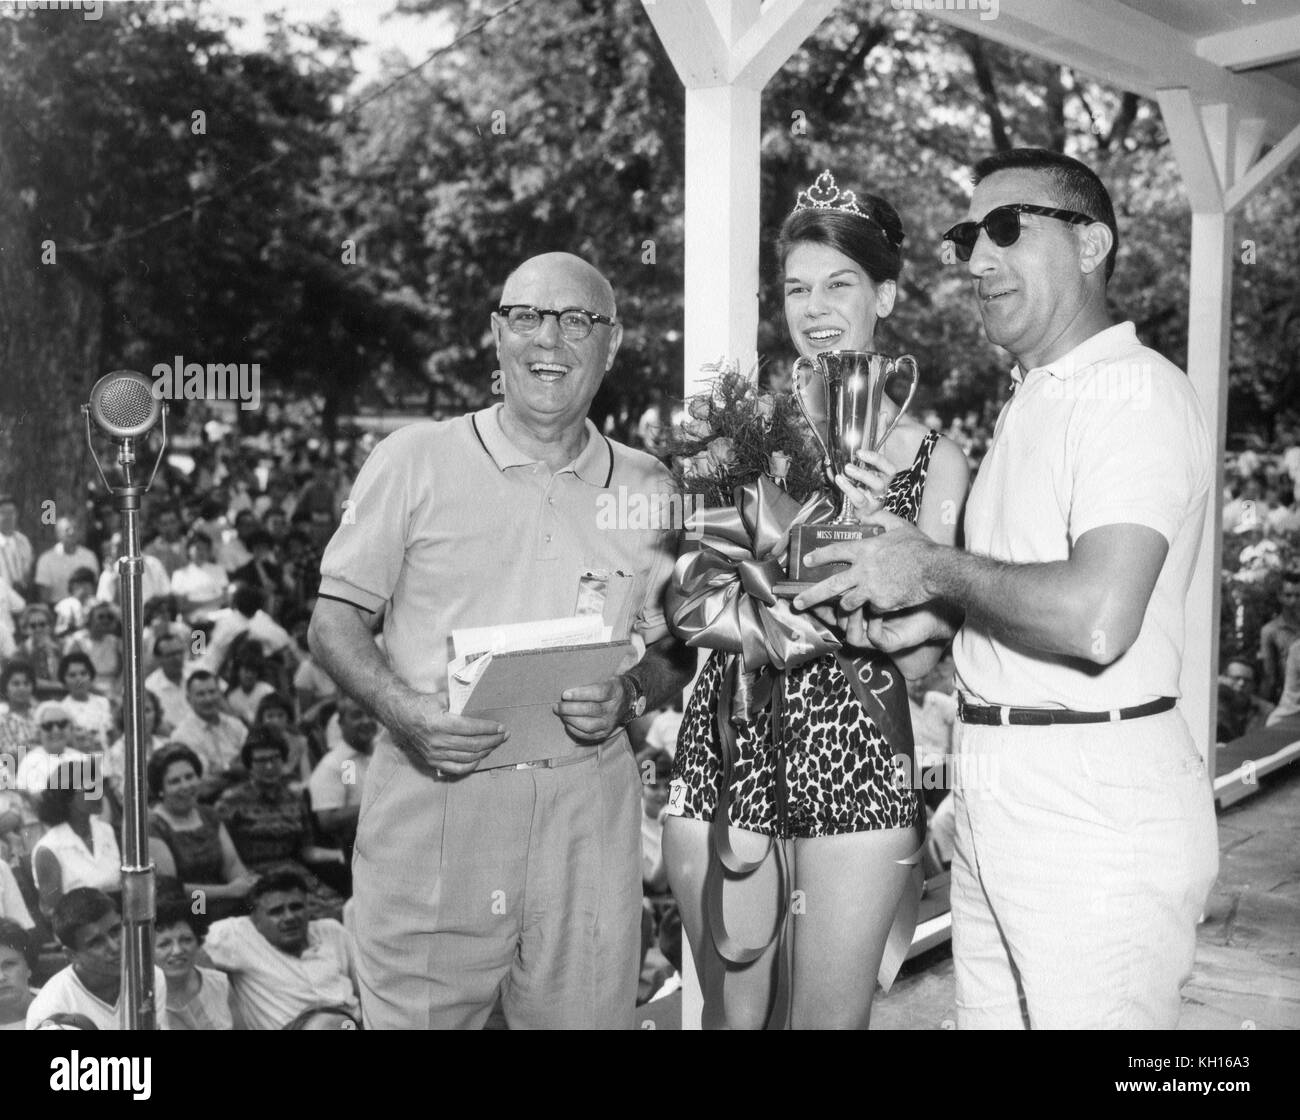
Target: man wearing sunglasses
473	880
1086	842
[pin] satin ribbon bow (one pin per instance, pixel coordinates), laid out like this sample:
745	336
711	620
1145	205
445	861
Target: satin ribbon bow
721	596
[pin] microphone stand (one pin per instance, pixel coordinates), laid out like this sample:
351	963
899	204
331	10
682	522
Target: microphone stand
138	894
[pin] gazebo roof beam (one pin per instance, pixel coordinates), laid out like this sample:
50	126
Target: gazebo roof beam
1123	47
1247	47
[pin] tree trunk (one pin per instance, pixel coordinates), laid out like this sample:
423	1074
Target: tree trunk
50	339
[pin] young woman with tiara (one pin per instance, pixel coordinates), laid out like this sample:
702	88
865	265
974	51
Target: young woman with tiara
830	791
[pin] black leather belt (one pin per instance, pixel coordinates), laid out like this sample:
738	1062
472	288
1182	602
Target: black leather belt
996	717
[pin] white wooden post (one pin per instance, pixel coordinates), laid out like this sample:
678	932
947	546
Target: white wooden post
1216	155
1202	143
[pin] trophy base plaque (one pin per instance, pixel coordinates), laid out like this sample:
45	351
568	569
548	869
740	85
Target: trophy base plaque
805	538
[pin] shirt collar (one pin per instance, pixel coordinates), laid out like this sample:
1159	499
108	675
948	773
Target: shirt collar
1096	348
594	464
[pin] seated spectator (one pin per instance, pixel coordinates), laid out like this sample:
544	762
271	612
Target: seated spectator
932	700
209	732
101	641
276	713
270	824
337	781
39	649
92	715
73	613
54	725
162	619
245	621
202	586
1245	511
1240	710
167	681
327	1018
1289	703
11	604
16	554
155	580
115	757
168	547
1278	634
1285	517
198	999
233	551
55	566
79	848
279	962
13	907
661	733
262	571
249	688
187	841
87	924
18	729
17	963
654	799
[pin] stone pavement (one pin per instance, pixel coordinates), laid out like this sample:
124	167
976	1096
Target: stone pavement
1247	973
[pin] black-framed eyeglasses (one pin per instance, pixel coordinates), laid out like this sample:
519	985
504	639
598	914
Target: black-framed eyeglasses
1003	226
576	323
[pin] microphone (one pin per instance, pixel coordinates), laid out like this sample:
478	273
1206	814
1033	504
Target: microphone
123	406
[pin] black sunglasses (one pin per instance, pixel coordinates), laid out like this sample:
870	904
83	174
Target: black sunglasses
56	725
1003	226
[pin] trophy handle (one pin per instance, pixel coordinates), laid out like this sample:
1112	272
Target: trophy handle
798	399
911	391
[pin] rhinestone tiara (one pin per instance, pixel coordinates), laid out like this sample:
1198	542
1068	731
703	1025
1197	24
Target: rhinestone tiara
825	195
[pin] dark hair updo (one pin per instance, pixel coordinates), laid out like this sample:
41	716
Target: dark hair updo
874	243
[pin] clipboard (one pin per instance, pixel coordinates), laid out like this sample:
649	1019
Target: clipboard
518	689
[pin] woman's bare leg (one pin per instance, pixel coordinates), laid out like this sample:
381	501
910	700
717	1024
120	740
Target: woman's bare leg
847	889
742	1002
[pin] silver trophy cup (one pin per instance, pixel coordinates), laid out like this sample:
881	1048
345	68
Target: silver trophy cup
840	395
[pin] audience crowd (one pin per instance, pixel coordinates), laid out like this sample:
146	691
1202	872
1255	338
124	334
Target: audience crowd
1259	683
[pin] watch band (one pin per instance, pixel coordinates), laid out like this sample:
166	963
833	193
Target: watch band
636	704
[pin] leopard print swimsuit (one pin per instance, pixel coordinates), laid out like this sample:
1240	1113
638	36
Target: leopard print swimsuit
840	770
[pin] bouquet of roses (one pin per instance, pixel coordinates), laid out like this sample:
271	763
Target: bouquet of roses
733	435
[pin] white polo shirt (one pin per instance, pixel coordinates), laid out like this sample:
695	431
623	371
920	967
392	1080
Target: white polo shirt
273	987
457	527
1111	433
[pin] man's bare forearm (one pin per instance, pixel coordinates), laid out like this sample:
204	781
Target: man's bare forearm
341	641
1038	606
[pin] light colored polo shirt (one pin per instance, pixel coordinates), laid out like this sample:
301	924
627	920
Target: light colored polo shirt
272	987
55	567
217	744
175	708
457	527
338	778
1111	433
65	994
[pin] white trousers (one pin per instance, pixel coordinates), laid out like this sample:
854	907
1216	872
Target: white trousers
1084	858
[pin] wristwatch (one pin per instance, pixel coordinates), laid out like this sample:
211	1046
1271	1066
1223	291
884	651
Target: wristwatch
636	697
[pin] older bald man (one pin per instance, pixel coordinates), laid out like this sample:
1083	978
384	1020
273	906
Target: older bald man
473	880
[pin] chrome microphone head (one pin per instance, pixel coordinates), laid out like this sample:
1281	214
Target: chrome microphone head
123	404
